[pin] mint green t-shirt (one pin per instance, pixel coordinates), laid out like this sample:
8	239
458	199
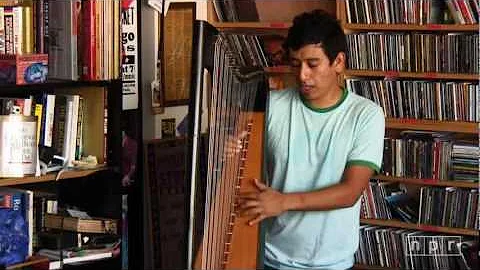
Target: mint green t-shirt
308	149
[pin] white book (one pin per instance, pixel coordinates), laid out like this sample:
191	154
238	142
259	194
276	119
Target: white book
18	30
67	131
29	215
74	260
49	108
73	141
71	119
2	32
27	106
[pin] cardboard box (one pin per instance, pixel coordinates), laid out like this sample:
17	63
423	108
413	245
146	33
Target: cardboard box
23	68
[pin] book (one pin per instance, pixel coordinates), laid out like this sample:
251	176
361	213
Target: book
88	225
16	226
57	264
88	39
62	57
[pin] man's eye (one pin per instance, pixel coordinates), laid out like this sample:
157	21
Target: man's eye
312	64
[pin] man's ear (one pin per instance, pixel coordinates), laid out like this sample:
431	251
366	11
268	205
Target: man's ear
339	62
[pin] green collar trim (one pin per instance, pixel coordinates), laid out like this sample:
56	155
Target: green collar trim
324	110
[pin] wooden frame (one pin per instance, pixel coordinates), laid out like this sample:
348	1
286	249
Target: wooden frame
177	50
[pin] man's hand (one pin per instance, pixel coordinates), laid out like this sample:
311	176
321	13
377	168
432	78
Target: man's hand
263	204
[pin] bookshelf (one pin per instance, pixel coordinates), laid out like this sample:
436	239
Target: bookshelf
464	130
95	189
103	98
461	129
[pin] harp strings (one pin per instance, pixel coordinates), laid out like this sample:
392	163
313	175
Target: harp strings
229	98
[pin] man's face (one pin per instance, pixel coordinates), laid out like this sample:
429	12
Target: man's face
316	75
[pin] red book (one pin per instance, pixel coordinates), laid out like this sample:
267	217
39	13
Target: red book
88	40
5	200
465	11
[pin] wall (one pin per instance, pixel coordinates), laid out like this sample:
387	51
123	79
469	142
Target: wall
152	122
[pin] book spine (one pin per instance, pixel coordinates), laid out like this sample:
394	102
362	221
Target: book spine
38	28
27	30
8	24
98	40
59	124
79	137
6	200
88	40
73	141
2	31
38	113
18	30
63	52
45	23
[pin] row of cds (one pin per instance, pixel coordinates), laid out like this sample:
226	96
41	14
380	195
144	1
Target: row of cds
449	207
434	100
414	52
412	249
412	11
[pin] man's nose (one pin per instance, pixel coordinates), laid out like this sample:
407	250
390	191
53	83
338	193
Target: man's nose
304	73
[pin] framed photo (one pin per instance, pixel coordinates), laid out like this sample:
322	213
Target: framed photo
175	56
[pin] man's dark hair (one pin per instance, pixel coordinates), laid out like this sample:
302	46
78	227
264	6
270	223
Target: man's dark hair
316	27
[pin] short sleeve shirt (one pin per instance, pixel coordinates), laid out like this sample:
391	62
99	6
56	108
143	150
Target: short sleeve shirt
308	149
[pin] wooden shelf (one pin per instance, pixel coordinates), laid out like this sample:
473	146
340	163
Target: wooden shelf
372	267
52	84
272	28
387	74
412	27
427	182
278	70
432	125
49	177
392	74
420	227
275	27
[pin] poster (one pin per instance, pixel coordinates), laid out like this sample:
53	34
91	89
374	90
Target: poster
129	55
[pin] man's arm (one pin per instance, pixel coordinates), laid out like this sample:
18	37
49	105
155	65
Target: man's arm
269	202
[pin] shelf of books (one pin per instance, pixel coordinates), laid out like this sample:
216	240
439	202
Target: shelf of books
418	60
60	105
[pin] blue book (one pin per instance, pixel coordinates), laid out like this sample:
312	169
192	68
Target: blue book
14	230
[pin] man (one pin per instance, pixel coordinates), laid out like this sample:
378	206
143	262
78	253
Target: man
323	145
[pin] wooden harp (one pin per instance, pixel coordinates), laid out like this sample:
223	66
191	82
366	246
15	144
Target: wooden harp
232	104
